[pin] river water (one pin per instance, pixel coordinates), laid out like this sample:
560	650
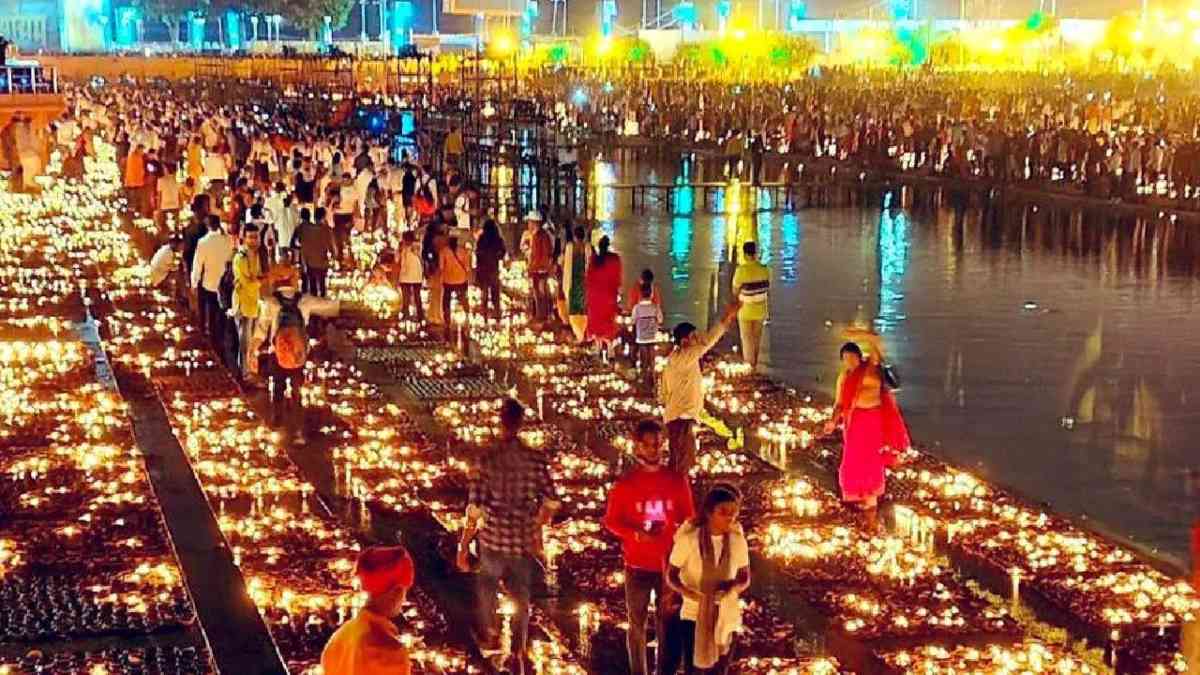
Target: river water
1057	358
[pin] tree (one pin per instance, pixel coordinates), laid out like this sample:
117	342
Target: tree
170	12
310	14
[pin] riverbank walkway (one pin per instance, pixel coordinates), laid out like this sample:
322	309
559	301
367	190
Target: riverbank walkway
963	574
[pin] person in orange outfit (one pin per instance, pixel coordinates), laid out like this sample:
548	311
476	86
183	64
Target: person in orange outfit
135	179
369	644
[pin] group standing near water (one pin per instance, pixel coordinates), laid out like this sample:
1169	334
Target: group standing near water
274	214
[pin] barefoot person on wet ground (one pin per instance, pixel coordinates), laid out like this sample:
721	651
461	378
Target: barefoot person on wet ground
645	508
751	282
710	567
490	252
647	317
603	286
872	427
283	327
454	263
511	497
681	388
574	275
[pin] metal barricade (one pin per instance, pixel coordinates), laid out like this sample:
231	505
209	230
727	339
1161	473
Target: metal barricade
28	79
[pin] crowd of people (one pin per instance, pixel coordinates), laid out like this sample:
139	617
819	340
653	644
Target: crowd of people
1120	136
252	217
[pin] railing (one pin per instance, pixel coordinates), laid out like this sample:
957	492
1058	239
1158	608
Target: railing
28	79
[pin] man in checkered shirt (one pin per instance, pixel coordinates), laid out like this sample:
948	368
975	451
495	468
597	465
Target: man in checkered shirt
512	494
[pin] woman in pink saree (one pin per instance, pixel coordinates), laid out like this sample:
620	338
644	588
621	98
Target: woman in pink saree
873	430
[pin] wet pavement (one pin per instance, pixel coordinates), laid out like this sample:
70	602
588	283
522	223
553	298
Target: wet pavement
1051	352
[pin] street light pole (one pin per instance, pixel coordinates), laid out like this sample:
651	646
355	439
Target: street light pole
385	35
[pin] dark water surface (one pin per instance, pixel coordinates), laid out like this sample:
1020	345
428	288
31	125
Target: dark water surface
1056	356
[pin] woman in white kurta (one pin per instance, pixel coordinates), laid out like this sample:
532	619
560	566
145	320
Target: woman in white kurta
710	567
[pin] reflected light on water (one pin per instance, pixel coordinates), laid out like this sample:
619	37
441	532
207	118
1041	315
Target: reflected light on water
893	263
788	252
765	237
503	178
681	248
685	197
603	177
988	380
719	227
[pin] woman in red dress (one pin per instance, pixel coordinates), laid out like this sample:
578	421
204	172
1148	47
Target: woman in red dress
873	430
603	283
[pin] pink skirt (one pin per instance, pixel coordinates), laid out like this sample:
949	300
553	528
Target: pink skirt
861	473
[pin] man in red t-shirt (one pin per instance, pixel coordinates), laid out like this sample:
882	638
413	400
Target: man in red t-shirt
645	508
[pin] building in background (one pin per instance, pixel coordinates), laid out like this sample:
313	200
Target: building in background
36	24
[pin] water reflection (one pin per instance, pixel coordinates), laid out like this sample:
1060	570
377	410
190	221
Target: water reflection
718	231
765	236
605	204
681	248
1113	404
786	268
893	262
1109	345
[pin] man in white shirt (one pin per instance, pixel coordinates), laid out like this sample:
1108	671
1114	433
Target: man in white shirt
681	387
286	224
213	253
165	263
168	196
361	182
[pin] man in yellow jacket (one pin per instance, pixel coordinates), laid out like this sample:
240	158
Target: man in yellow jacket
249	273
369	644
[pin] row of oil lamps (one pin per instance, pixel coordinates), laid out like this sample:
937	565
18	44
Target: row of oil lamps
83	551
504	341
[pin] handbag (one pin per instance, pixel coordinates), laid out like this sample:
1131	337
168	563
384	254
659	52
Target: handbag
891	378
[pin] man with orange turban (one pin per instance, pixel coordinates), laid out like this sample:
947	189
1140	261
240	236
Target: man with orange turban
369	644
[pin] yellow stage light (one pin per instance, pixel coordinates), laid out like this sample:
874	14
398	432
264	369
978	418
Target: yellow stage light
503	44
